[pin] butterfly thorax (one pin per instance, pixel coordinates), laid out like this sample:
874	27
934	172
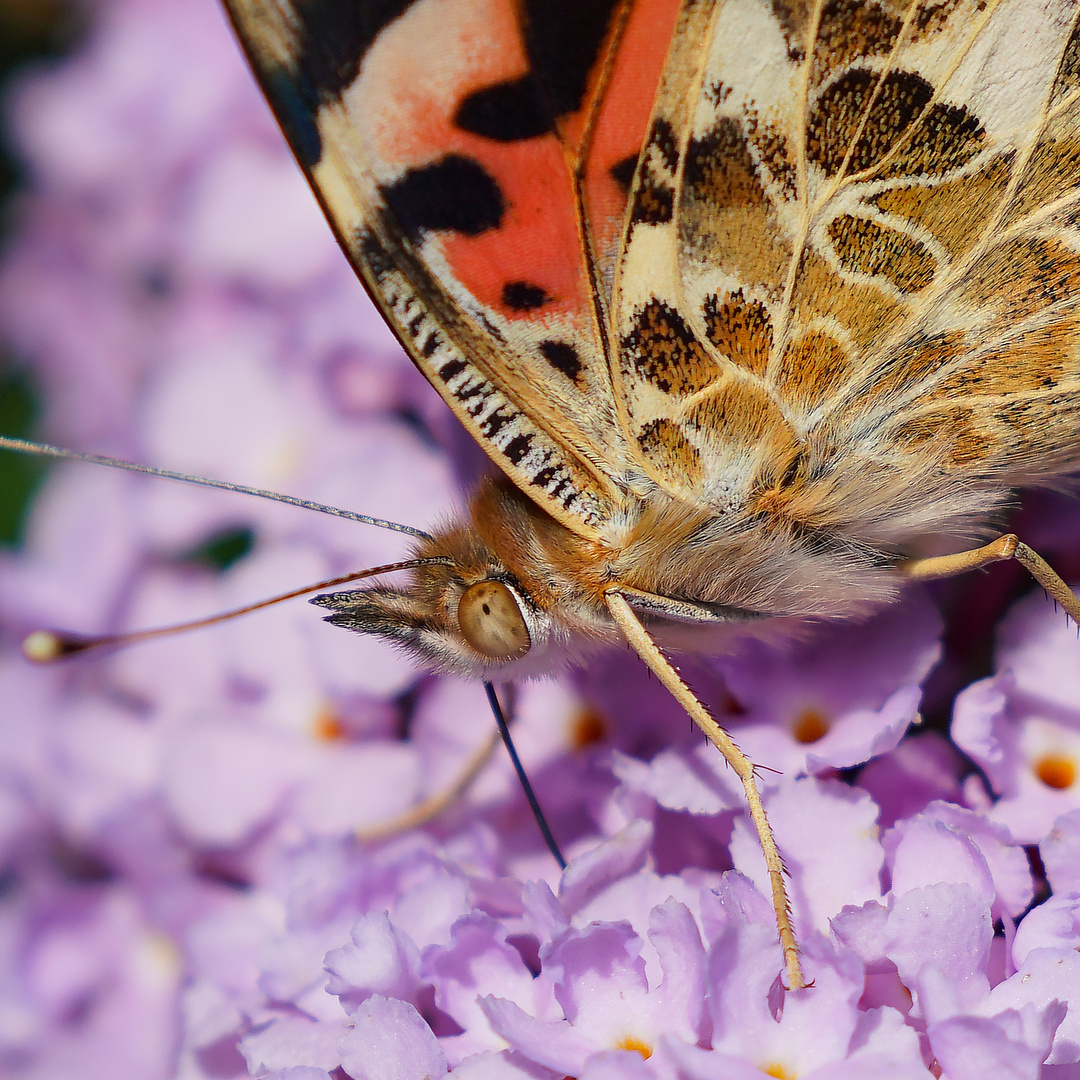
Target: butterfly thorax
695	577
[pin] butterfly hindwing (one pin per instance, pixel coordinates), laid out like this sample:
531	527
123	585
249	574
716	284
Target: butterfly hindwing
849	284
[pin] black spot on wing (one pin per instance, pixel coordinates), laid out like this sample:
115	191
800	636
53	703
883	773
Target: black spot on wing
654	203
523	296
662	139
295	111
562	39
622	172
563	358
720	168
654	199
517	448
661	350
859	116
505	112
496	420
454	194
335	35
326	41
1068	74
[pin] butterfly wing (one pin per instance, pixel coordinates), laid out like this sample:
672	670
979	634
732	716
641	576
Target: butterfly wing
849	288
465	157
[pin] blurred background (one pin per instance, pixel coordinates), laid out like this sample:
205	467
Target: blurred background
32	32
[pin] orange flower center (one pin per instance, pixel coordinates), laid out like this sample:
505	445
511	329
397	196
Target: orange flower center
779	1071
1056	771
327	727
629	1042
586	728
810	725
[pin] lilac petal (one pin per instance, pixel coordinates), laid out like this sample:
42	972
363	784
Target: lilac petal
682	779
243	189
543	914
292	1040
974	1048
863	930
944	929
927	851
210	1015
291	969
618	1065
1054	924
734	902
380	959
862	734
552	1043
686	1062
358	787
597	972
1039	647
504	1065
816	1026
675	936
854	677
982	729
303	1072
592	872
883	1033
427	909
478	961
744	965
878	1066
1007	862
827	831
1046	976
223	947
632	899
390	1041
1060	852
1034	802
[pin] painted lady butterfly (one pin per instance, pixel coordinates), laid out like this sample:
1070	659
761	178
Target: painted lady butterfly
761	307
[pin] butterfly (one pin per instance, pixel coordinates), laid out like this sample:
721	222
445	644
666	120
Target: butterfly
761	308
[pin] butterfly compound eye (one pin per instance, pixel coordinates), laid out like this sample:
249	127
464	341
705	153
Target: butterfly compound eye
491	621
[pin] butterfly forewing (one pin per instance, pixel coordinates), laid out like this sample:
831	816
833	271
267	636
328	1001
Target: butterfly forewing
445	141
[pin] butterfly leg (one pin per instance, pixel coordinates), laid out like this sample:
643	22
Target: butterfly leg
649	651
1004	547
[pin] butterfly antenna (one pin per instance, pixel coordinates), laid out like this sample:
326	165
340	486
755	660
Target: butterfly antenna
523	779
47	646
24	446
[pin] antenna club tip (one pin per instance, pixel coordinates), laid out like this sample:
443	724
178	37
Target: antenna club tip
43	647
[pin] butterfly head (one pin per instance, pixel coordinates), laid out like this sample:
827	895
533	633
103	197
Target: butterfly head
496	604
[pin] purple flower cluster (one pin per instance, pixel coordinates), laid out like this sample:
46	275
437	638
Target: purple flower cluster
206	872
